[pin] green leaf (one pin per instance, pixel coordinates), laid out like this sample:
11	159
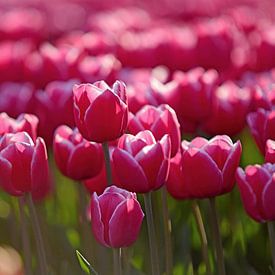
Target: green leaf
84	264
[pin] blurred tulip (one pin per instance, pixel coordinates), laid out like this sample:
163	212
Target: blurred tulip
262	127
101	112
24	123
16	98
116	217
231	104
270	151
140	163
23	164
54	107
257	188
76	157
204	169
159	120
10	262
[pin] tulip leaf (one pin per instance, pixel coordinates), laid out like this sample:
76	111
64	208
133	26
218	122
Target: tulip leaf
84	264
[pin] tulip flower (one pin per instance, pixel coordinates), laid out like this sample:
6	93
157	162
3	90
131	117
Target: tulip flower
116	217
262	126
23	164
140	163
160	121
257	188
54	107
101	112
270	151
231	104
216	160
24	123
76	157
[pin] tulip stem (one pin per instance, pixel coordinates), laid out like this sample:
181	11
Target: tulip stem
151	234
117	261
167	233
38	237
105	147
271	233
202	233
217	237
25	237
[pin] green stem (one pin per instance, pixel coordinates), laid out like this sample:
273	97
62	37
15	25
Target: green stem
151	234
38	237
25	237
167	233
202	233
107	163
117	261
271	233
217	237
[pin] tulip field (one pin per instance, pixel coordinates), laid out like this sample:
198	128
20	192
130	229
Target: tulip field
137	137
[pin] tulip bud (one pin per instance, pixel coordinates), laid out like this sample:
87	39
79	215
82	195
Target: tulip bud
160	121
257	188
76	157
270	151
24	123
140	163
23	164
101	112
262	126
116	217
217	161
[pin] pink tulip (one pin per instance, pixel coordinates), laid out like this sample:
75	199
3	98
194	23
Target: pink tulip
270	151
116	217
24	123
159	120
76	157
262	127
231	104
257	188
140	163
101	112
204	169
23	165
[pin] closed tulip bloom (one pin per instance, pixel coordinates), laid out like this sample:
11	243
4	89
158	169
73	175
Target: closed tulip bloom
257	188
116	217
262	126
76	157
101	112
140	163
23	164
159	120
24	123
204	169
231	105
270	151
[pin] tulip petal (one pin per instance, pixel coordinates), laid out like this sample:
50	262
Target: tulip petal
97	223
202	175
230	167
268	199
125	223
128	171
110	109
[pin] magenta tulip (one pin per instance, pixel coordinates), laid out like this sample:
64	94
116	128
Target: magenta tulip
24	123
262	126
116	217
204	169
76	157
257	188
23	164
160	121
101	112
270	151
140	163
